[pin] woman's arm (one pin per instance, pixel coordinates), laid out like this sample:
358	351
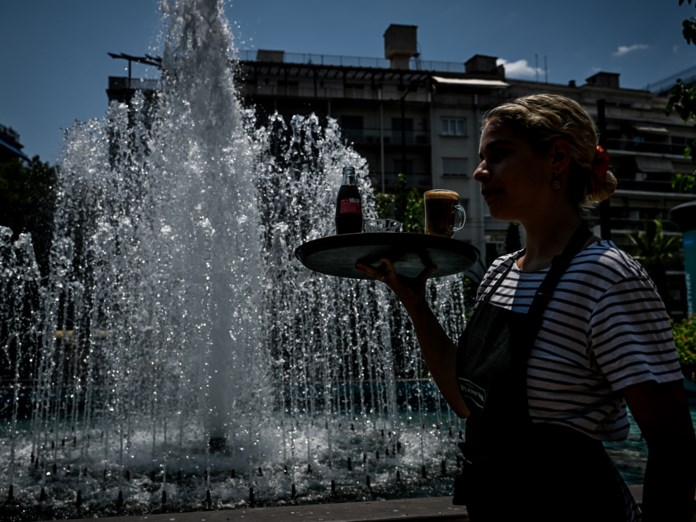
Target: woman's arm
439	351
662	413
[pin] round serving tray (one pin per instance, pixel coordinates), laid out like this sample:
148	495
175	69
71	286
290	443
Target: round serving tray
410	253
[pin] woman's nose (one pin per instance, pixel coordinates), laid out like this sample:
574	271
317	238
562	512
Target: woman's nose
481	171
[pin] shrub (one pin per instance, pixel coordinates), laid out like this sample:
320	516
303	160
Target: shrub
684	332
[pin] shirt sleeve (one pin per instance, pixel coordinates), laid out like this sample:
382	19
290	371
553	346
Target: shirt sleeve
631	335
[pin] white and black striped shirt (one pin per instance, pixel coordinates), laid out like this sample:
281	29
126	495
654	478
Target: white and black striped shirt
605	329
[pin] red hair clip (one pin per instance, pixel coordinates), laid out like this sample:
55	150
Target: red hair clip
600	166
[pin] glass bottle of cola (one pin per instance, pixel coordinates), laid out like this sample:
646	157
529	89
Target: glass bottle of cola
349	217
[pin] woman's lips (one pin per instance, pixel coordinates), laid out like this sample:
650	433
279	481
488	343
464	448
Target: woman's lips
490	193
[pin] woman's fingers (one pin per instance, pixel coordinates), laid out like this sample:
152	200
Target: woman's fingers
371	271
379	273
386	272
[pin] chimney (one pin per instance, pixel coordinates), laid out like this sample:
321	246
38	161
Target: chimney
268	55
604	79
400	45
482	65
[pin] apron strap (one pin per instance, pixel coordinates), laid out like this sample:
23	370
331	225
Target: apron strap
558	266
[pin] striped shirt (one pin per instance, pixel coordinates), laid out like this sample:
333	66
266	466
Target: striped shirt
605	329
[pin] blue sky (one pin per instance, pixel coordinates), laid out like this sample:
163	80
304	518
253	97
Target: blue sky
55	65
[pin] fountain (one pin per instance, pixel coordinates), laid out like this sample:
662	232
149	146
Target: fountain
177	356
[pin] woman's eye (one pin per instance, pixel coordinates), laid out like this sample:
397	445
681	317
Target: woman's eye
497	155
494	157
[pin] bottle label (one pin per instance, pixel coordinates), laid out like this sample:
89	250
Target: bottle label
349	206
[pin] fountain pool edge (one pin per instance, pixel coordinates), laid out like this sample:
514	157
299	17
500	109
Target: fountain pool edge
414	509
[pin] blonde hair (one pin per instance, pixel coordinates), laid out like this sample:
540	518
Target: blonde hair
543	118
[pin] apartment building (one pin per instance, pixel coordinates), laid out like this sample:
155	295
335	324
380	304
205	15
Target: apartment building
422	119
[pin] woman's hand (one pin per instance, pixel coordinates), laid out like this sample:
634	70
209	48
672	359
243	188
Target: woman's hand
409	290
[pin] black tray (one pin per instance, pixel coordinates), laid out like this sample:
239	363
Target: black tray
410	253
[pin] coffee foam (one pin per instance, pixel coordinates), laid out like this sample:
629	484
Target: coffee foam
442	194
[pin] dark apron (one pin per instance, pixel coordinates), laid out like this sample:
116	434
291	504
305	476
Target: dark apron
514	468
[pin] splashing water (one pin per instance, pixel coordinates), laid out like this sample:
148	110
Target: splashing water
177	356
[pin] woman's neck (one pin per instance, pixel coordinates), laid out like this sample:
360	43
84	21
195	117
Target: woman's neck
545	242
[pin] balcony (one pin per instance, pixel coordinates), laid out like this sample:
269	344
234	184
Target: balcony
653	146
391	137
136	84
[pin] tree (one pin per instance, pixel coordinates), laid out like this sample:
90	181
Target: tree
404	204
689	27
683	102
27	203
657	251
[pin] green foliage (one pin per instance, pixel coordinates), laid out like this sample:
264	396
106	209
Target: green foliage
684	182
404	204
689	27
653	248
684	332
683	102
657	251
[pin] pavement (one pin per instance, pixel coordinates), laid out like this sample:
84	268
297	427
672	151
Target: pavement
411	510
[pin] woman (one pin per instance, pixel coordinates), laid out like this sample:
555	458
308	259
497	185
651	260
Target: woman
544	373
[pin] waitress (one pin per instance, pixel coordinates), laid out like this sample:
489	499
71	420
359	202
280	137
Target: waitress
565	335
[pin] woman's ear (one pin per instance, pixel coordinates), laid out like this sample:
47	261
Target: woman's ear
560	155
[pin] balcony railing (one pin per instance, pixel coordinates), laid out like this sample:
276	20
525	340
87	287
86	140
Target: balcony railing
123	82
388	93
356	61
646	185
650	146
389	137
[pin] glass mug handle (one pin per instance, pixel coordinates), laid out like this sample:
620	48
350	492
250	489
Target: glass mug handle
459	217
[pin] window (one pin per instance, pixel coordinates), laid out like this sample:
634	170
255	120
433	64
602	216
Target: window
455	167
352	127
453	126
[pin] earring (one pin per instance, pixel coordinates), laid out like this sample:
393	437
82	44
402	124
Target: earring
555	182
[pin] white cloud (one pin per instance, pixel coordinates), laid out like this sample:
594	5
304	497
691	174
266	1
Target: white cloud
519	69
623	50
